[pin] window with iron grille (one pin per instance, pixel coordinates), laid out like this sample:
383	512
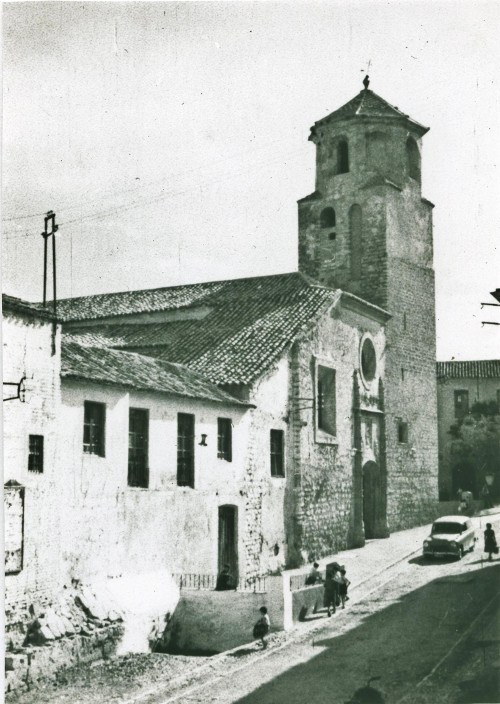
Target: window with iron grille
35	456
225	439
326	400
277	453
138	440
93	428
461	403
185	449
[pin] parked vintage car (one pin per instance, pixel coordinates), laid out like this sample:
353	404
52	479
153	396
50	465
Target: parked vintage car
450	535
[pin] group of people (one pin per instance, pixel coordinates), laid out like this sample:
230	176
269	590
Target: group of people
335	583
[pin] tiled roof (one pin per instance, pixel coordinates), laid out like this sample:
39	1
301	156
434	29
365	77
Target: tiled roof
369	104
18	305
477	368
116	367
247	326
170	298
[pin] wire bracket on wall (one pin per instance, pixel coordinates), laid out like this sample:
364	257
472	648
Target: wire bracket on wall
20	390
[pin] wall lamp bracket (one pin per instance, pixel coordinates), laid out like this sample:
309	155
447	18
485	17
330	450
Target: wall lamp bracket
20	390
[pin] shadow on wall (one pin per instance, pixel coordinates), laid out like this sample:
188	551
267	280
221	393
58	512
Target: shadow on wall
208	622
346	662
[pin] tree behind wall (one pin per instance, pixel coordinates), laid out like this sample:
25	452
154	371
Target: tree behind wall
475	449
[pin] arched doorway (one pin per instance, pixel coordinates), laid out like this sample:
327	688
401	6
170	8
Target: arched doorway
371	499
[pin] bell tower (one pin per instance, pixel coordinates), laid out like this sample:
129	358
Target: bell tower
367	229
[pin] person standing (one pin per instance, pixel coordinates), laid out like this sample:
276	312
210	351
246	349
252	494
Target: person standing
486	496
331	588
343	584
490	541
262	627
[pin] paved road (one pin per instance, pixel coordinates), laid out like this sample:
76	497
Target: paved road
414	620
418	616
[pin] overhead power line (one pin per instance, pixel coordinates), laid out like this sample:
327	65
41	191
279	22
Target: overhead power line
114	210
152	183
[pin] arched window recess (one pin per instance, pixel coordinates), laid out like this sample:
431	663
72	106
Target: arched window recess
327	217
413	159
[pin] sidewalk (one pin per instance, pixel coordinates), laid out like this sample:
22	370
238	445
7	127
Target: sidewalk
379	555
152	678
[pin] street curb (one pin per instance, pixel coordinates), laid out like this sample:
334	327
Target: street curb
295	633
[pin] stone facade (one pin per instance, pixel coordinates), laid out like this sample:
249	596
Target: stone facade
336	440
478	387
325	494
378	245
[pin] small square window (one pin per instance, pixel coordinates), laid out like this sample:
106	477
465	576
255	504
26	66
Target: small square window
461	403
93	428
35	456
277	453
402	431
225	439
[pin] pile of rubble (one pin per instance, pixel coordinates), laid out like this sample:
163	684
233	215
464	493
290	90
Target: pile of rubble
80	614
77	628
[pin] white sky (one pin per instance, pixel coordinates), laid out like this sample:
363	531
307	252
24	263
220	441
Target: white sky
171	139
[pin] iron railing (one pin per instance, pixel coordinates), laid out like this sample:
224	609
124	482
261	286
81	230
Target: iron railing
207	582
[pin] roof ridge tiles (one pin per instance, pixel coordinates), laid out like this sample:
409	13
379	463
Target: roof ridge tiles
472	368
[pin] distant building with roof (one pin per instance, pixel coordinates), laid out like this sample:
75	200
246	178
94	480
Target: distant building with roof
264	421
460	385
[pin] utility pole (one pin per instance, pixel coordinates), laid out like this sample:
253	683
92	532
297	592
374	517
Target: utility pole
50	222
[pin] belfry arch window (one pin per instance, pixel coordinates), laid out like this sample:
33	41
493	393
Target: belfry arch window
413	159
342	157
327	217
355	232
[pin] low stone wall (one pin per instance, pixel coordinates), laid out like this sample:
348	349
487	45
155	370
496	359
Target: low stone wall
450	508
212	622
307	601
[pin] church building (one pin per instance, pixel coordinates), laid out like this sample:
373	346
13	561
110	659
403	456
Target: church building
258	422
